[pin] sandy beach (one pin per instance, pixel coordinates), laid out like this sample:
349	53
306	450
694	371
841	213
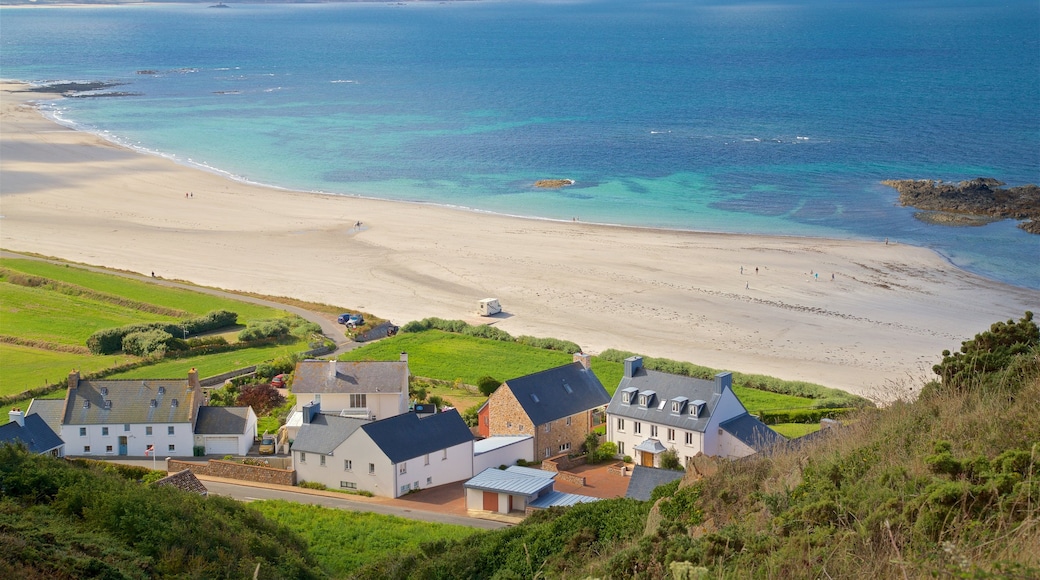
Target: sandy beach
875	318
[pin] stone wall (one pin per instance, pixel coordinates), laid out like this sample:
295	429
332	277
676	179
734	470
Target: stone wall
507	417
618	469
232	470
561	463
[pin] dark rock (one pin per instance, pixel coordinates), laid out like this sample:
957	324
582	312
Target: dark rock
984	197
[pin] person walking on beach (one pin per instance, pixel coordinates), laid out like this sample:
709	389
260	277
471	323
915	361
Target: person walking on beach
742	269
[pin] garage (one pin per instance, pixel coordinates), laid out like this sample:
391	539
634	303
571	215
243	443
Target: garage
222	446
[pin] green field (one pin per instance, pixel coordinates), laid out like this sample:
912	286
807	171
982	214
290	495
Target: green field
343	541
23	368
211	364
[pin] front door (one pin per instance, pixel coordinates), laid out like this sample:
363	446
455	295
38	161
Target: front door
648	459
122	444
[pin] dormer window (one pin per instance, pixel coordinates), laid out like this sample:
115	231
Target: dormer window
679	405
104	391
628	396
86	404
153	403
108	405
174	403
642	400
696	408
162	390
646	399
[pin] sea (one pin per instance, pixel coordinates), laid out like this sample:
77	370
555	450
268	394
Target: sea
765	117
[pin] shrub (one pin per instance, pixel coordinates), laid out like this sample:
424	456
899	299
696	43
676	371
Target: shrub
470	417
670	460
110	340
487	385
264	329
606	450
262	398
312	485
990	359
146	343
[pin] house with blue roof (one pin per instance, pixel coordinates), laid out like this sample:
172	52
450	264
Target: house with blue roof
33	432
554	406
517	490
389	457
652	412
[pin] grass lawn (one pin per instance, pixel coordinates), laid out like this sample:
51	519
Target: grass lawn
343	541
23	368
211	364
758	400
795	430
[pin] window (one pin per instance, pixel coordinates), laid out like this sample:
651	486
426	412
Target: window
104	430
642	400
429	480
689	438
621	447
653	430
108	449
547	451
675	406
620	424
321	460
82	431
520	427
403	468
348	485
348	465
148	430
126	426
565	447
444	454
169	430
371	468
638	428
172	447
568	421
427	460
548	427
86	449
671	434
358	401
303	457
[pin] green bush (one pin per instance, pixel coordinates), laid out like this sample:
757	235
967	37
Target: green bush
110	340
803	415
312	485
264	329
1004	355
147	342
489	332
487	385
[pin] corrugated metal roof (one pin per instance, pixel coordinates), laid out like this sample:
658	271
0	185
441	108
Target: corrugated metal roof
510	481
558	392
222	420
752	432
322	376
666	388
406	436
130	402
560	499
496	442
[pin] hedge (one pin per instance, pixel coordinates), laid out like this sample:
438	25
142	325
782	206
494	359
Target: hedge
489	332
110	340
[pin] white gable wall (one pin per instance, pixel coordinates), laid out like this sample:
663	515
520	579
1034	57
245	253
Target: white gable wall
731	447
729	406
137	439
437	468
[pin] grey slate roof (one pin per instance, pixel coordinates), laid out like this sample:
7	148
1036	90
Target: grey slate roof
752	432
406	436
558	392
325	433
645	479
184	481
36	435
50	410
222	420
321	376
666	388
560	499
511	481
130	402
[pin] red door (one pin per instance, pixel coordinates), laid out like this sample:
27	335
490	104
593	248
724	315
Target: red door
490	501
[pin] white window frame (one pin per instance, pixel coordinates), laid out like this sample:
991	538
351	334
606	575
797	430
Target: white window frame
620	424
671	434
303	457
348	465
104	431
169	430
689	438
638	429
653	430
358	401
402	468
321	461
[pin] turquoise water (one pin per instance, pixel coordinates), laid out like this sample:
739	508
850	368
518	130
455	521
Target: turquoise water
757	117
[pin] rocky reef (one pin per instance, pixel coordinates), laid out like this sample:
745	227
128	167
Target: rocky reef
973	202
553	183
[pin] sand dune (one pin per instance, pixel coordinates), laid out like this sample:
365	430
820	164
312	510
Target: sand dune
883	319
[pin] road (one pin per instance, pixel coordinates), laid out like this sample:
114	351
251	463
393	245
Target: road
249	493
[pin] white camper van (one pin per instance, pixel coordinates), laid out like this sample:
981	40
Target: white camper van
489	306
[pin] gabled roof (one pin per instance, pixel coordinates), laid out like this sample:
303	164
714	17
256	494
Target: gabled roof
645	479
560	499
512	481
406	436
325	433
667	389
222	420
130	402
752	432
184	481
36	435
558	392
322	376
50	410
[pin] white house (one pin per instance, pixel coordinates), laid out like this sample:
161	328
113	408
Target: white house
389	457
130	417
652	412
366	389
225	430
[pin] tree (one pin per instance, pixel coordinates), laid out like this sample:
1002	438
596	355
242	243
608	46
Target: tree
224	396
262	398
670	460
606	450
590	445
487	385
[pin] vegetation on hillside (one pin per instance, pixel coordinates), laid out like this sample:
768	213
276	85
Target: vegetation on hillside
944	486
62	519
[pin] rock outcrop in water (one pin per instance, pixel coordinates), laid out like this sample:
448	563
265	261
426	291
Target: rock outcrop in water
974	202
553	183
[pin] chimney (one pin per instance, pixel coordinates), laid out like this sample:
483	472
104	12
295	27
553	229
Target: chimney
310	411
193	379
632	365
73	379
584	359
723	381
404	357
17	416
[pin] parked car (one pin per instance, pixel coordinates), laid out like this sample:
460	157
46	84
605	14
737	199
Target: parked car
267	445
278	381
351	319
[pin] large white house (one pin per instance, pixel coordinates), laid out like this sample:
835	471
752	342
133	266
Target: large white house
652	412
389	457
365	389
